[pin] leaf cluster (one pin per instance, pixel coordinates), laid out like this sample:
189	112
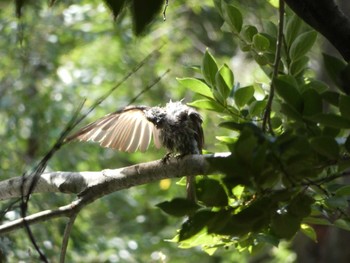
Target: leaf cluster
272	185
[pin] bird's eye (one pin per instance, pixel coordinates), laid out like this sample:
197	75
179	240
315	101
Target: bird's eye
183	116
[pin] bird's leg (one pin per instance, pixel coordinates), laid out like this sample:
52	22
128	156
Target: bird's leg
166	158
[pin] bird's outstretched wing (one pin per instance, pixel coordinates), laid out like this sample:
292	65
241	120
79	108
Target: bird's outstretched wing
127	130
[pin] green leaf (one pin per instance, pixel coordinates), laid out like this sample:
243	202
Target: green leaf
302	44
326	146
115	6
309	232
233	17
208	104
243	95
347	144
209	68
287	90
257	108
343	224
285	225
178	207
312	102
334	67
331	97
300	206
344	106
331	120
260	42
337	202
292	29
245	145
195	224
261	59
211	193
224	81
143	13
196	86
297	66
248	33
290	112
343	191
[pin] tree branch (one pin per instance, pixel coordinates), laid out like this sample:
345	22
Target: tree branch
90	186
325	17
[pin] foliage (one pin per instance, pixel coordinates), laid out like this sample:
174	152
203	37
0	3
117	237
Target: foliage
284	181
274	184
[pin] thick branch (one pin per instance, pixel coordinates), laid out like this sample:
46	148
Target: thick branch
93	185
326	18
107	181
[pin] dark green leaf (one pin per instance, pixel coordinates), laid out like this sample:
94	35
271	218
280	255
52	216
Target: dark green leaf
331	97
347	144
233	17
257	108
209	68
337	202
248	33
334	66
312	102
116	6
246	145
261	59
343	191
331	120
178	207
243	95
285	225
211	193
302	44
300	206
195	224
326	146
287	90
292	29
297	66
290	112
260	42
143	13
196	86
344	106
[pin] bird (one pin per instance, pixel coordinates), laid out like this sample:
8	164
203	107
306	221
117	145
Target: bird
176	127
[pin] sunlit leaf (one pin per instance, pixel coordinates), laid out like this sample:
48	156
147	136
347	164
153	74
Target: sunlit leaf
196	86
207	105
209	68
243	95
224	81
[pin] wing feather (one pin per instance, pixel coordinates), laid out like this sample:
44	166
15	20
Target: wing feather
127	130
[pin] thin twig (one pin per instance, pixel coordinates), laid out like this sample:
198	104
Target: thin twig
165	8
66	236
155	81
267	113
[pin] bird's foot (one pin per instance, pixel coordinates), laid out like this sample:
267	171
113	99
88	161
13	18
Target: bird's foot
166	158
